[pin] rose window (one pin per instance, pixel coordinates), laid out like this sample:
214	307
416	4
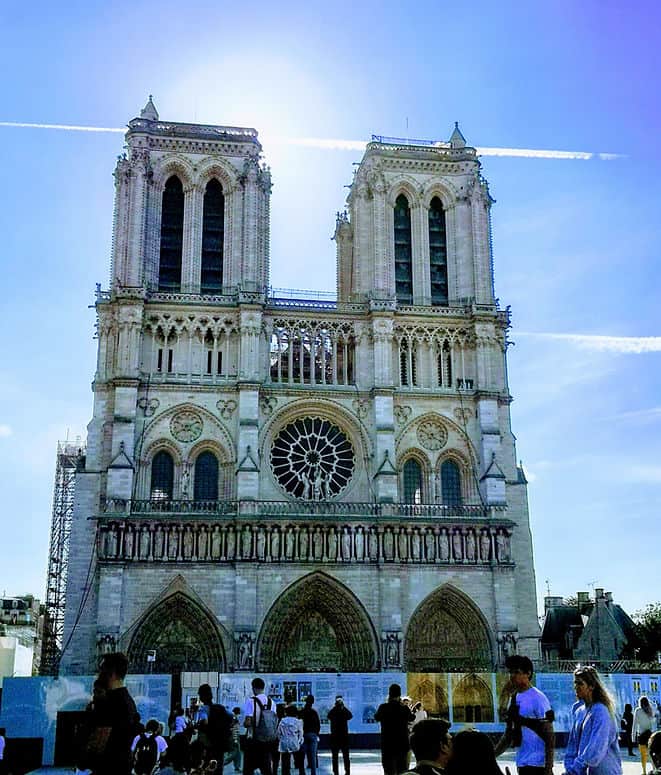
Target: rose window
312	459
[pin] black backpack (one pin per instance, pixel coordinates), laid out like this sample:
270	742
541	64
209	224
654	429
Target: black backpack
219	729
146	755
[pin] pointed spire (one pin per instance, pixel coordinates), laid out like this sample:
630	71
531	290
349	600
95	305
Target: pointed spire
149	111
457	140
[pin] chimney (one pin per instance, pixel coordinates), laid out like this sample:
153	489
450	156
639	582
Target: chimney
551	601
598	593
583	597
609	597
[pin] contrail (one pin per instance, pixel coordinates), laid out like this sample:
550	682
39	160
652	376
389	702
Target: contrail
66	127
625	345
330	144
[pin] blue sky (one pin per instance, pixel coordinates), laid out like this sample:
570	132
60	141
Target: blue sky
576	243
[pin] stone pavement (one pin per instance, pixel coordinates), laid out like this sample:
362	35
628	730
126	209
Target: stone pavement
369	763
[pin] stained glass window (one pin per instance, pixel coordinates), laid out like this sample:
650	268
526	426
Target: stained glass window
162	476
206	477
450	483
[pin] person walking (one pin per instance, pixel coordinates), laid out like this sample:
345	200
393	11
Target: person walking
339	716
627	728
3	769
643	726
311	729
593	747
529	723
394	717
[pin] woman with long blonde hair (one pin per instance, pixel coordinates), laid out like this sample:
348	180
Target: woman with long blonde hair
643	726
593	747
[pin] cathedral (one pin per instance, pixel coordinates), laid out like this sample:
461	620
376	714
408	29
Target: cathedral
306	484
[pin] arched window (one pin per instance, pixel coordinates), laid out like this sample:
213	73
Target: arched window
412	481
403	251
438	254
213	231
162	476
450	483
206	477
172	236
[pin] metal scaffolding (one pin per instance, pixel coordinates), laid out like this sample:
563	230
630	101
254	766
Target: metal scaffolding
69	459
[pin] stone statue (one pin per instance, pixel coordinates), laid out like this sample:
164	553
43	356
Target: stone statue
303	543
173	543
159	543
415	545
290	543
244	651
143	551
185	481
332	544
485	546
430	545
471	546
246	543
318	544
188	543
202	543
261	542
360	543
275	544
444	546
128	542
215	543
388	544
402	545
231	543
373	544
391	650
503	546
346	544
457	549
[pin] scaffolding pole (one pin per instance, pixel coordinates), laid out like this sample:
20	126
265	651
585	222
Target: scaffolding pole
69	459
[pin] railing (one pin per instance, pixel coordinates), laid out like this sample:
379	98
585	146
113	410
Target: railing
289	509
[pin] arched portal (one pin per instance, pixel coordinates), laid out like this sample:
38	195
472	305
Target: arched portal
447	632
317	624
183	636
472	700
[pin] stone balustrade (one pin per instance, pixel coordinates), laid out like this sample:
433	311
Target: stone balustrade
319	510
196	540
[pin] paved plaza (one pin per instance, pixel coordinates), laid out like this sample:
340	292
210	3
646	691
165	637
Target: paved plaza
369	763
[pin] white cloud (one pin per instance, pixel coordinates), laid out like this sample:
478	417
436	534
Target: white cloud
5	430
625	345
644	415
352	145
642	473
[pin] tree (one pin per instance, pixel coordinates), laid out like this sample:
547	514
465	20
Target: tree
648	626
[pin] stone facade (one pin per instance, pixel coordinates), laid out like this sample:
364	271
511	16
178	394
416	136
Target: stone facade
299	484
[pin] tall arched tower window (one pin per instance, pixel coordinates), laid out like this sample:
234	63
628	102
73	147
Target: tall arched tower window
206	477
162	476
172	236
438	254
412	481
213	232
450	483
403	251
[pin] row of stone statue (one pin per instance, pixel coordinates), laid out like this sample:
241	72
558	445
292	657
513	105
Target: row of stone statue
178	541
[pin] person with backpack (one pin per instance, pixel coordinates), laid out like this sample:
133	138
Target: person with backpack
214	728
147	748
261	725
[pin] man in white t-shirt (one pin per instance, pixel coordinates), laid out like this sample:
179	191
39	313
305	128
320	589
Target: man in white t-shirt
529	722
257	754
